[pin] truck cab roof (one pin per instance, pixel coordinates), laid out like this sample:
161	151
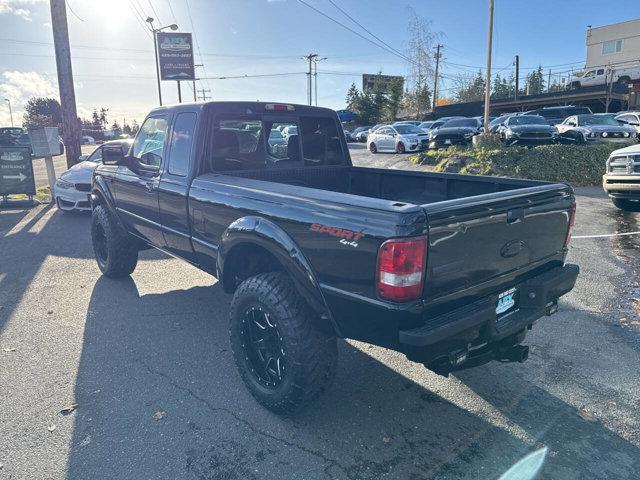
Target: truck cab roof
247	108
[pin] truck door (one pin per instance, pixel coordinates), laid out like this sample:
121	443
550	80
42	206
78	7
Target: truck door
137	182
174	186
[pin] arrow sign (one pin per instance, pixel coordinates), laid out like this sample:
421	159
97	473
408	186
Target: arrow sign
20	177
16	171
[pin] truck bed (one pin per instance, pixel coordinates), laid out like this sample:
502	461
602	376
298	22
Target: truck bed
419	188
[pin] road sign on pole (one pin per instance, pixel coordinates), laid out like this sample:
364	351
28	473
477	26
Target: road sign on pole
16	171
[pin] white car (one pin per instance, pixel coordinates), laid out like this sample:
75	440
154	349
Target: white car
398	139
73	188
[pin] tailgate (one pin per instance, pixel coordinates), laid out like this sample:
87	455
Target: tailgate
476	241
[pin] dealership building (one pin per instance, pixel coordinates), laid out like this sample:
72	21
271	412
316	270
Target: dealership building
614	45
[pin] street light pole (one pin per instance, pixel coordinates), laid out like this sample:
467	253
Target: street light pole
155	51
10	112
154	31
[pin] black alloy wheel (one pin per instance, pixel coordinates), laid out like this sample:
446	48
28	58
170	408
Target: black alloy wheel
264	347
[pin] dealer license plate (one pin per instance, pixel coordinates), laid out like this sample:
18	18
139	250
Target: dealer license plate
447	142
506	301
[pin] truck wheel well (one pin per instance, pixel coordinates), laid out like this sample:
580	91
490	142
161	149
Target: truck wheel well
245	261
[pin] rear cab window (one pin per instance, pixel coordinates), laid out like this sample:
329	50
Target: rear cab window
263	141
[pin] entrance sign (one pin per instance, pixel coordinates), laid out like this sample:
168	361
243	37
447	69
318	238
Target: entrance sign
175	56
16	171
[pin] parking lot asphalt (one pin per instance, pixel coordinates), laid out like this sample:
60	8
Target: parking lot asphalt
148	362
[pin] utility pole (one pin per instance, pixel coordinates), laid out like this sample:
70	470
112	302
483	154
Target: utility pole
549	82
204	92
195	92
517	78
609	88
487	87
70	124
310	58
435	82
315	75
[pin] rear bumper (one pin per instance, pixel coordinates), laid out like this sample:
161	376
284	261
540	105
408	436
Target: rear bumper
536	297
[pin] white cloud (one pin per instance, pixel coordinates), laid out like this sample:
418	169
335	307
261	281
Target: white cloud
19	87
19	8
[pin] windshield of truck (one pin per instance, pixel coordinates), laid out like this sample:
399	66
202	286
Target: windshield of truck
597	120
527	120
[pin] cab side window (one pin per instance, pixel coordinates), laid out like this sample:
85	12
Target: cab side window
181	143
148	147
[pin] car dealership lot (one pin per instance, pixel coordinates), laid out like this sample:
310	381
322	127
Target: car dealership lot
148	362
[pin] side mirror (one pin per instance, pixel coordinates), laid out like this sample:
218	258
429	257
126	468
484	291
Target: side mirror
112	155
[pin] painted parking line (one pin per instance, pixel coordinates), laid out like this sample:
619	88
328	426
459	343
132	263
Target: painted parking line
606	235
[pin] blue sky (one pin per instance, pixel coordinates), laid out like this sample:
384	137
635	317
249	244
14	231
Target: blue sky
113	55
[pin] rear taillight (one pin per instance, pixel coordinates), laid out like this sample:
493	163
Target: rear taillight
400	271
572	218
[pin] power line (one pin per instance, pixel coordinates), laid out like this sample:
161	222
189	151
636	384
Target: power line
175	20
353	31
193	30
153	9
72	11
258	75
366	29
139	18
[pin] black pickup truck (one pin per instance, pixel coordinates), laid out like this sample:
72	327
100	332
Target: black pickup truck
451	270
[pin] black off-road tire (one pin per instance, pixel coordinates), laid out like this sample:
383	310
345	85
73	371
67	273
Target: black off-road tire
115	251
309	357
626	205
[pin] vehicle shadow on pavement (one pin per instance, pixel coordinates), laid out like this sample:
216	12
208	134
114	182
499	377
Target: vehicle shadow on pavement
26	241
159	397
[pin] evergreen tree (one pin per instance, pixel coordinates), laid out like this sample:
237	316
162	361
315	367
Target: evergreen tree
353	95
42	112
116	129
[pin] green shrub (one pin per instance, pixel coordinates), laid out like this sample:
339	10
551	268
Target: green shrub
574	164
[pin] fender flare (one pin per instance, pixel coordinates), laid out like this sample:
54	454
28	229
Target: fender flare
101	193
253	230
